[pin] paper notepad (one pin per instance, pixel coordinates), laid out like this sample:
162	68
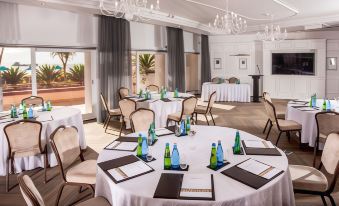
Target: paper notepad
258	144
124	146
129	170
258	168
163	131
196	186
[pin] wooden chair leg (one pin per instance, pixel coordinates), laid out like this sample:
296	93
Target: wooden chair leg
269	130
59	194
7	175
323	199
315	153
266	126
299	139
288	136
196	118
206	119
276	144
167	122
332	200
121	126
107	124
212	117
46	164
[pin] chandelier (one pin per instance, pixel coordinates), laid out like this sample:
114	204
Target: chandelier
272	33
229	23
131	10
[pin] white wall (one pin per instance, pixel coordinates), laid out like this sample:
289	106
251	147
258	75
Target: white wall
332	76
293	86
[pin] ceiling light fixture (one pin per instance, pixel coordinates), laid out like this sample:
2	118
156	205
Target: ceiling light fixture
229	23
131	10
272	32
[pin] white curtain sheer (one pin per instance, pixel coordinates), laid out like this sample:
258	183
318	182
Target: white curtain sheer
9	23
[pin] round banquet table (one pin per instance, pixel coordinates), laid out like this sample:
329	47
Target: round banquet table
196	149
162	109
226	92
67	116
306	117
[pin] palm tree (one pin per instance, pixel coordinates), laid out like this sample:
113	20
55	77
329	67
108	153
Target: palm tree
14	75
64	57
47	74
77	73
147	63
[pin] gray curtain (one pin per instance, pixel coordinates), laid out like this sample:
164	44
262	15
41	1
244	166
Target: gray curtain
205	60
176	59
114	59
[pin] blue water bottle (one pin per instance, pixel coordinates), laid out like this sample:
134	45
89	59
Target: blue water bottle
220	155
30	112
328	106
175	159
144	147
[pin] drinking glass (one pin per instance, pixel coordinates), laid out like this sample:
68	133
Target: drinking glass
183	162
149	156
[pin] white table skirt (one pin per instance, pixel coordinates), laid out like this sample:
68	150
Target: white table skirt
62	116
139	191
307	120
163	109
227	92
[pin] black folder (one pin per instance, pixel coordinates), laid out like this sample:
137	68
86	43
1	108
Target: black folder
169	187
166	100
115	163
246	177
123	139
300	106
261	151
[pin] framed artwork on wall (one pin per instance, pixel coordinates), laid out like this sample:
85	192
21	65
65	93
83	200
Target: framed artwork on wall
242	63
331	63
217	63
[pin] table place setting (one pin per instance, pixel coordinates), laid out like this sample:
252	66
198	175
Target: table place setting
122	146
163	132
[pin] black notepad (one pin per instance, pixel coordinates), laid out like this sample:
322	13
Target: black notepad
261	151
300	106
123	139
166	100
119	162
170	187
247	178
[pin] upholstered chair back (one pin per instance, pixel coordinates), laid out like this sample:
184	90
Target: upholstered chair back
330	156
24	138
67	145
141	119
30	193
33	100
327	122
211	101
104	103
153	88
270	110
233	80
267	96
189	105
215	80
127	106
123	92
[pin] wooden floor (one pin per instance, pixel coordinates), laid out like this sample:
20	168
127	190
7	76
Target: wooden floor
249	117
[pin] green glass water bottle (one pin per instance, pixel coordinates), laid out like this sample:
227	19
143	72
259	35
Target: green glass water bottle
139	148
213	158
324	105
167	157
12	110
15	112
24	113
188	125
237	148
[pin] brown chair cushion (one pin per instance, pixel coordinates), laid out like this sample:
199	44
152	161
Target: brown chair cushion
115	112
280	115
96	201
200	109
308	178
287	125
84	172
176	116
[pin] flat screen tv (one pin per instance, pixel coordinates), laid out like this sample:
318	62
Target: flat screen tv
293	64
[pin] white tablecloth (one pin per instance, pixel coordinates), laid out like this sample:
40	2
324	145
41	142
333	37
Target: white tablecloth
62	116
307	120
139	191
163	109
226	92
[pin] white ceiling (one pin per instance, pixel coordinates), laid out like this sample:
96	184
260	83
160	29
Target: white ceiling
288	13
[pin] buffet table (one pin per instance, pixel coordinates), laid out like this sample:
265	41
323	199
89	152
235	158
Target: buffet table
196	150
50	121
226	92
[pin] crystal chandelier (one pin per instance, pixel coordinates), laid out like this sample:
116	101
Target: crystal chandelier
272	33
229	23
131	10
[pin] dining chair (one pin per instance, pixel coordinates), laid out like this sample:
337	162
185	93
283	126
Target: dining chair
327	123
66	147
153	88
215	80
141	119
309	180
205	110
233	80
280	114
24	140
123	92
33	100
33	197
109	112
127	106
286	126
187	110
